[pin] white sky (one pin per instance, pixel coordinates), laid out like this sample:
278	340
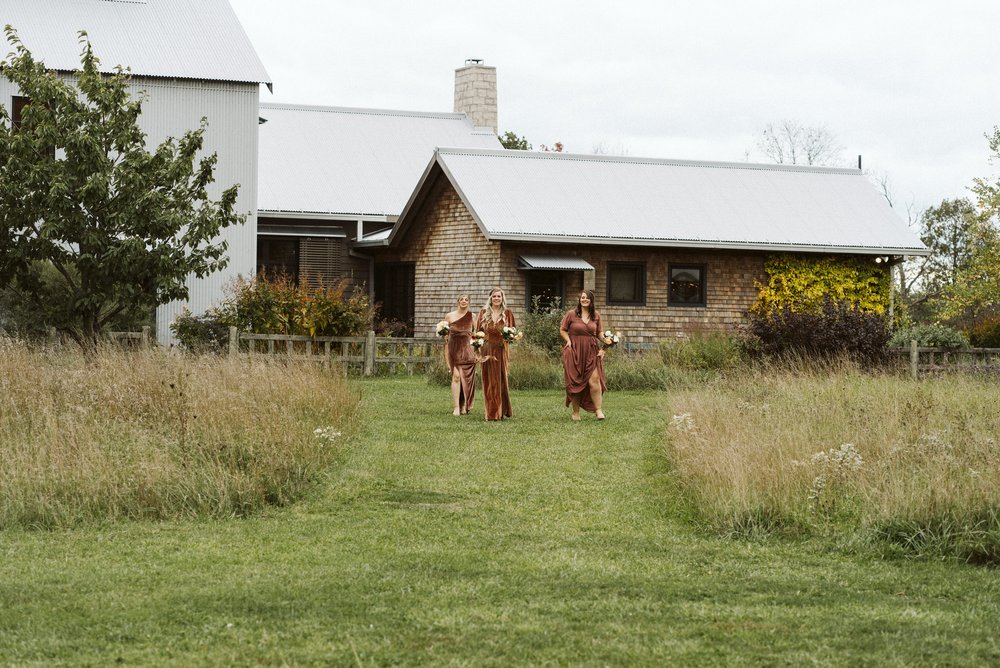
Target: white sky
911	85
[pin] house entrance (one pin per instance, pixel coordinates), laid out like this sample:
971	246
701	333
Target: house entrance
394	290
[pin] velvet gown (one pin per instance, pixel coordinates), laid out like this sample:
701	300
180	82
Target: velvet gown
496	390
581	360
463	357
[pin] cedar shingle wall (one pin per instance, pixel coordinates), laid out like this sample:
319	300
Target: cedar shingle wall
452	256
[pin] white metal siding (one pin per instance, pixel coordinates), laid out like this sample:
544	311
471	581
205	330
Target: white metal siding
171	109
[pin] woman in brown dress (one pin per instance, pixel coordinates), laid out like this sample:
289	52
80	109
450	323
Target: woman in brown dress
460	357
583	357
494	355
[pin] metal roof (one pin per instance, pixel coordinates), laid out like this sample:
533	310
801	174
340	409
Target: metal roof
555	263
185	39
551	197
351	162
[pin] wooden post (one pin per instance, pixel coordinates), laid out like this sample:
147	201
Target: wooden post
234	341
53	336
370	353
914	358
144	337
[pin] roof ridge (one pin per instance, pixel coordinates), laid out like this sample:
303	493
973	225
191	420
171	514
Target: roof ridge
369	111
673	162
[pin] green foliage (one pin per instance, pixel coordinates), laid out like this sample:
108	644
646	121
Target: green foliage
836	330
803	284
277	306
704	350
534	368
929	336
124	227
948	230
510	140
541	325
985	333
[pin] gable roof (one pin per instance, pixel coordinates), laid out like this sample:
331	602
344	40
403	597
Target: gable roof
562	198
340	162
184	39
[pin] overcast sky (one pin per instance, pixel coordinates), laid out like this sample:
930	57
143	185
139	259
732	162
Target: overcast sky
911	85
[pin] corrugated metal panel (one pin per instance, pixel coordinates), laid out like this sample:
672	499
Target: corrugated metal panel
173	108
596	199
190	39
334	160
555	263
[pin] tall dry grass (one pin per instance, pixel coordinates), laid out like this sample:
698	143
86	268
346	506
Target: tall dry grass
156	435
911	463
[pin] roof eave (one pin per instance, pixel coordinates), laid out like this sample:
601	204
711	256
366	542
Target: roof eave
728	245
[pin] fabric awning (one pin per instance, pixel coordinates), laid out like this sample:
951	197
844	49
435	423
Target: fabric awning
554	263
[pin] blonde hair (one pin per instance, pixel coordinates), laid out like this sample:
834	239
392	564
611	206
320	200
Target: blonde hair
489	300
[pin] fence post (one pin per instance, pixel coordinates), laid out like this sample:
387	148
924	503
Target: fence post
234	341
144	337
370	353
914	358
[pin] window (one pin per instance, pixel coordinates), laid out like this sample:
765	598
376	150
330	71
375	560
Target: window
627	283
395	292
278	256
687	285
17	106
546	285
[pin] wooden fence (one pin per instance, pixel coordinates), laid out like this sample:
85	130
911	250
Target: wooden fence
939	360
368	353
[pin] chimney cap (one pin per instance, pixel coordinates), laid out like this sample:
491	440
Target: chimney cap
475	61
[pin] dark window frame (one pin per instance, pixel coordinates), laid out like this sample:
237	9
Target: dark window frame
703	285
17	105
528	284
267	263
639	267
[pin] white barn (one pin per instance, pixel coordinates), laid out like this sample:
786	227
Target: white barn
193	60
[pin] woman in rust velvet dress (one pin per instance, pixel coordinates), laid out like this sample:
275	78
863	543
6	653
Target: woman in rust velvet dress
583	357
460	357
495	362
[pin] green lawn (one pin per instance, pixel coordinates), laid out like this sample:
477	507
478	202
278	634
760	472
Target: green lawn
451	541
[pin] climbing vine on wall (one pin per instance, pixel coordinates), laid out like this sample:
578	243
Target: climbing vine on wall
800	283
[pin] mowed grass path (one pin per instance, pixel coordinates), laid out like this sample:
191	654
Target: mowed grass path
451	541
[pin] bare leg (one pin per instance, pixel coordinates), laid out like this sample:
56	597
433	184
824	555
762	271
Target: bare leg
575	403
456	390
595	394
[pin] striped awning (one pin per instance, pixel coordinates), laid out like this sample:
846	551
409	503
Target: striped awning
554	263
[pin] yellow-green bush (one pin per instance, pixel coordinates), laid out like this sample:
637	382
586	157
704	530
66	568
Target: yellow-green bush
801	283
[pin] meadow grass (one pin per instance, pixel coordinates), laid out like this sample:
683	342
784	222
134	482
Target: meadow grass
154	435
909	464
441	540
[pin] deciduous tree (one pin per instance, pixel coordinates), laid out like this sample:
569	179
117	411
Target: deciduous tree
122	227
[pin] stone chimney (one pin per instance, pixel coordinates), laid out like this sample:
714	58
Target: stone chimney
476	93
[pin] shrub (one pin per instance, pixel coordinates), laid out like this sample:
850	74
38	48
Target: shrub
541	325
838	329
985	333
200	333
930	336
805	284
704	350
277	305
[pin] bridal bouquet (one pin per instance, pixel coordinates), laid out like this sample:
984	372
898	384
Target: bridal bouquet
611	339
442	328
510	334
478	340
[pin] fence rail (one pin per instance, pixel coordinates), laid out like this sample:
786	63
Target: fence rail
937	360
370	352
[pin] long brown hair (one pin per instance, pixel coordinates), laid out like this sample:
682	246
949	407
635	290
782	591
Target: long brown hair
579	306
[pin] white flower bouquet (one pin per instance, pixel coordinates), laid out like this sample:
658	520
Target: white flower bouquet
478	339
611	339
442	328
510	334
